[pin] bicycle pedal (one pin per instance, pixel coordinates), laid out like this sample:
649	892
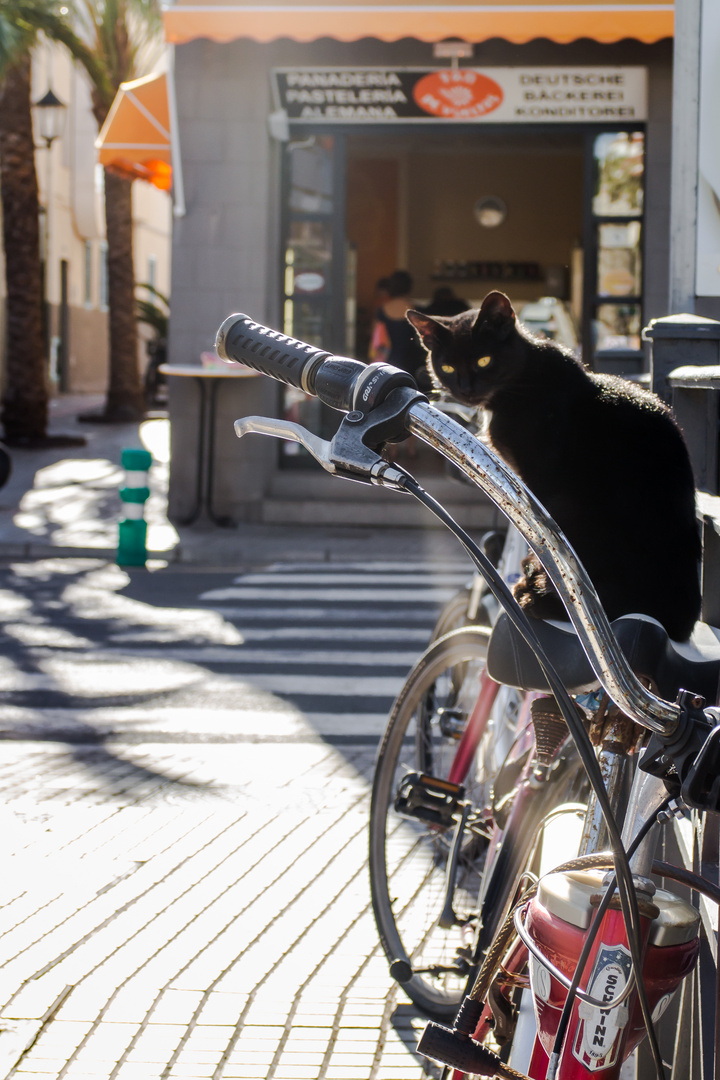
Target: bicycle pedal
429	799
504	1013
452	723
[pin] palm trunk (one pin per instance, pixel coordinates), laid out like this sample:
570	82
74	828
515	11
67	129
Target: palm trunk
25	391
124	396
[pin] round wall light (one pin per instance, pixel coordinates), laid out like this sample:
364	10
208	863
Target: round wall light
490	211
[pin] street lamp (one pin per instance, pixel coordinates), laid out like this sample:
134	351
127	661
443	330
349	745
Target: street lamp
50	114
50	111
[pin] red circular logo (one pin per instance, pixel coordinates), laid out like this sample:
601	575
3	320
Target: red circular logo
457	94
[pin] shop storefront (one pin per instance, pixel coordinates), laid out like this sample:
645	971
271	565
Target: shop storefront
525	179
318	160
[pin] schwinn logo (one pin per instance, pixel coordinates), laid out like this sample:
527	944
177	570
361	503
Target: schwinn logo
599	1035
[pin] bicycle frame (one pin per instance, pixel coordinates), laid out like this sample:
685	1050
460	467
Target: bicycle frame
510	568
475	729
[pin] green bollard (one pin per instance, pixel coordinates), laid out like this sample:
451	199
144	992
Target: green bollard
132	539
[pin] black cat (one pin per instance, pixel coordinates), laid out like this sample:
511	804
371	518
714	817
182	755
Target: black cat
604	456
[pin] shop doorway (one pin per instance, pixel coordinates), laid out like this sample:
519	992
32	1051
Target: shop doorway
552	217
468	213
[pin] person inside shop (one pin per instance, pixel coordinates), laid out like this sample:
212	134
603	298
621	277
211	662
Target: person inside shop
445	302
394	340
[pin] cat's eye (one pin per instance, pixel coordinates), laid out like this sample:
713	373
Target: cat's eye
483	361
447	369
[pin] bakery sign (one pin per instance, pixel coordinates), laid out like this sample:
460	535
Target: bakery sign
498	95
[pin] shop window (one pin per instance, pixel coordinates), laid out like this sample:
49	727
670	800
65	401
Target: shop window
619	178
308	291
617	200
618	326
619	270
311	277
308	272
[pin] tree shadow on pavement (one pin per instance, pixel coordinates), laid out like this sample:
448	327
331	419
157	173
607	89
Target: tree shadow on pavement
63	682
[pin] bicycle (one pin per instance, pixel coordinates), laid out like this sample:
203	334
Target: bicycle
600	949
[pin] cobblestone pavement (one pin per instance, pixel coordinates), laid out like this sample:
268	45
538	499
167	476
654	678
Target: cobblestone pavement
185	890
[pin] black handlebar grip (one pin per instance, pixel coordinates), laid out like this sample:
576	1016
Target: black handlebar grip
338	381
275	354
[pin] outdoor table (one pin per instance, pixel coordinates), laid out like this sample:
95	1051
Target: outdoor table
208	379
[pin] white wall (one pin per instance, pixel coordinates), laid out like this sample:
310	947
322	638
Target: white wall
68	172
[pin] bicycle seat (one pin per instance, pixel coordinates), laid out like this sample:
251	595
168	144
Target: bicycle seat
671	665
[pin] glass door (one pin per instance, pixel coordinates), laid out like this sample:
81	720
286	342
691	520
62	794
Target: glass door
313	284
613	308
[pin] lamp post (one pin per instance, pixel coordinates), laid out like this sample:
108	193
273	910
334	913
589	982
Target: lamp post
50	114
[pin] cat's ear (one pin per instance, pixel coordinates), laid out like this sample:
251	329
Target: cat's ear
431	331
497	312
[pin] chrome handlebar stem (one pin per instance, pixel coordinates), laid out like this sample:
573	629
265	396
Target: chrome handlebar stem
571	581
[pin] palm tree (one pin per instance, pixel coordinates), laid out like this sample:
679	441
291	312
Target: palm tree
109	39
25	392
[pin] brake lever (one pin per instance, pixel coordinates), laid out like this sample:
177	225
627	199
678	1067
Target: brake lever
688	761
291	432
348	455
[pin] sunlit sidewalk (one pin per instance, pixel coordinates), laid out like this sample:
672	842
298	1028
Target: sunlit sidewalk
185	889
68	498
193	911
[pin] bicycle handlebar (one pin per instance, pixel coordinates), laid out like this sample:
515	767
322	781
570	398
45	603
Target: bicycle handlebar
338	381
348	385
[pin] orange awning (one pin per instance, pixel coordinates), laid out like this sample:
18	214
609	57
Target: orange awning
469	20
135	138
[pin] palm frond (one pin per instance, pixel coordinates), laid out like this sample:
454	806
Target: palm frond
161	296
154	312
108	38
15	39
54	19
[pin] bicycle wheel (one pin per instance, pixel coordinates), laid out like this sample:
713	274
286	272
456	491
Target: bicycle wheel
454	616
408	853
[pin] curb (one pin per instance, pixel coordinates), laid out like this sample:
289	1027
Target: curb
32	550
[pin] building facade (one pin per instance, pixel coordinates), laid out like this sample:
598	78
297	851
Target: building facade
72	231
325	146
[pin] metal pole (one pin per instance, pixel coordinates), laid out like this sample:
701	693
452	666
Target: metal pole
684	171
179	207
48	308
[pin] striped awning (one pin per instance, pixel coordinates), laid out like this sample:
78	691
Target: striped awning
348	20
135	138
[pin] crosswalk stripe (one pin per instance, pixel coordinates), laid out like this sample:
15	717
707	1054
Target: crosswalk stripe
425	569
86	678
331	595
234	654
400	636
286	719
420	581
344	615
